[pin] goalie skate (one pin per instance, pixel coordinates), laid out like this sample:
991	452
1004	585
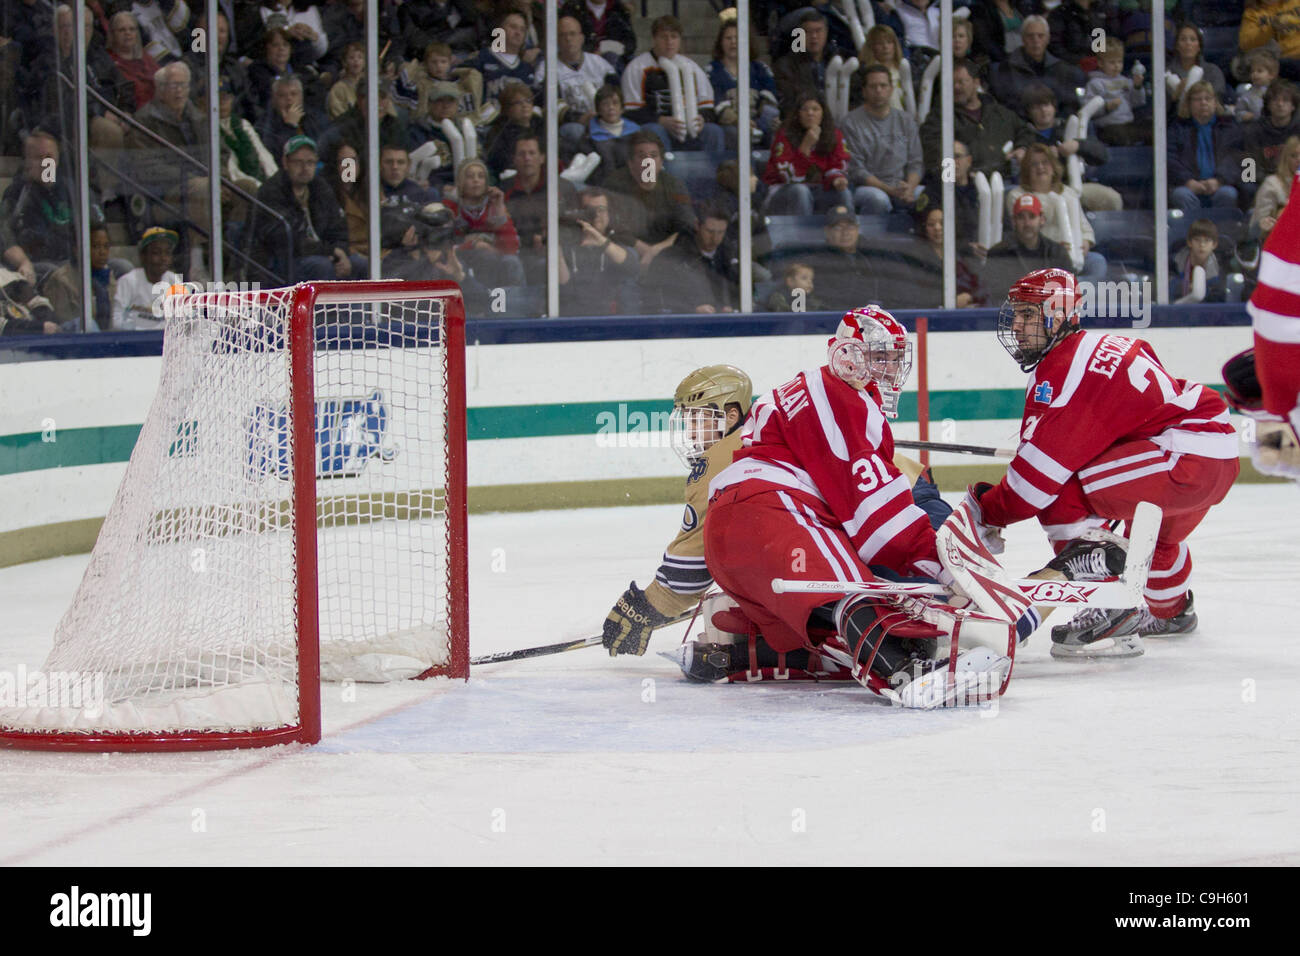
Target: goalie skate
975	678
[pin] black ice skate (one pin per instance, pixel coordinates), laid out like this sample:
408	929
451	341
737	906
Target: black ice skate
1097	632
708	663
1095	556
1148	625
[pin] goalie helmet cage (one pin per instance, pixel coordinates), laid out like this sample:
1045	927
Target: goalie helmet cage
210	610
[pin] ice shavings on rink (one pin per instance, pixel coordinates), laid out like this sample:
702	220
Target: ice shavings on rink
1186	755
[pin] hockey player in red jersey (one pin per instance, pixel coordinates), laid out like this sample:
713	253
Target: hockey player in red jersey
1264	383
814	494
1104	428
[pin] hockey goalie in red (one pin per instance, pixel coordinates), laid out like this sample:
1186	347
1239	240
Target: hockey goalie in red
1105	427
813	493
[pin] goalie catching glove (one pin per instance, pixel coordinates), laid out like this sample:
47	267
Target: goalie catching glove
991	535
630	622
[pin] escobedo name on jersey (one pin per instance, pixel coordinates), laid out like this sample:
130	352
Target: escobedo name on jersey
349	433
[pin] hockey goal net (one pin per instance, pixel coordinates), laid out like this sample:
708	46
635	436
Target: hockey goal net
294	509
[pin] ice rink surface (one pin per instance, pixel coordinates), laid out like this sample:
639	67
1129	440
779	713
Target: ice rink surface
1188	755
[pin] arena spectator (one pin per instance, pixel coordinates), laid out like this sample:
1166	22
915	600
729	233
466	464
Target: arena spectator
488	244
798	292
1046	128
103	281
1262	139
926	275
966	205
607	25
598	275
885	159
512	61
135	65
647	100
50	99
134	302
417	78
525	196
693	274
1116	124
1200	251
345	22
277	48
804	71
458	24
1262	68
288	116
430	148
1204	154
845	272
1074	25
650	203
1278	21
1025	250
320	246
1188	52
1041	175
979	121
352	127
517	118
997	26
1275	190
22	310
808	166
231	71
343	94
301	22
164	30
248	163
727	198
920	20
579	75
1032	63
346	176
394	181
38	238
880	48
724	71
609	122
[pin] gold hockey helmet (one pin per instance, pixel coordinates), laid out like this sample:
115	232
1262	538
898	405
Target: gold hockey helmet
700	405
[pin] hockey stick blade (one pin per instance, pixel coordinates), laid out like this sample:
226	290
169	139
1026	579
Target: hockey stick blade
1142	535
547	649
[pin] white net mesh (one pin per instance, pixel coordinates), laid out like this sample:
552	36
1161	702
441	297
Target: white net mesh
188	606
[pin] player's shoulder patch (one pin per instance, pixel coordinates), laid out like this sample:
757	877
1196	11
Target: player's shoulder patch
698	470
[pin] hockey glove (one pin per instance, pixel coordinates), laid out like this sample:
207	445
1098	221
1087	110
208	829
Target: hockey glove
629	623
991	535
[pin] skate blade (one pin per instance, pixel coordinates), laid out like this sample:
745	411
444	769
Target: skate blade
1108	648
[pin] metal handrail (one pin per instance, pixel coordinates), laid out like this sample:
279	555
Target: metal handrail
239	191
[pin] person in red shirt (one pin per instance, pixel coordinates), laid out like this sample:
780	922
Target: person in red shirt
808	165
814	494
1105	427
489	244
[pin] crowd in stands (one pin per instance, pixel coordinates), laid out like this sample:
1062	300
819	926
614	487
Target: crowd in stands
846	140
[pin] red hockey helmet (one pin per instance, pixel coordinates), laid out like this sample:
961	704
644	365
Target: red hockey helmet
871	345
1040	310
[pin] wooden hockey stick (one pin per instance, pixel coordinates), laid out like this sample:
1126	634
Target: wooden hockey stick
1123	593
560	648
984	450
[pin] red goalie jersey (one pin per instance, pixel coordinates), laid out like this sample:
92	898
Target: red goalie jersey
828	447
1094	391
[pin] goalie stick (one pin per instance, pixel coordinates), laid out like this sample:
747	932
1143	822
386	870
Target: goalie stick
593	641
997	593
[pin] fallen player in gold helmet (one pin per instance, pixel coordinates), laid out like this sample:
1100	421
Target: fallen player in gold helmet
709	407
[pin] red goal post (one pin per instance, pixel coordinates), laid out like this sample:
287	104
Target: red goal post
212	607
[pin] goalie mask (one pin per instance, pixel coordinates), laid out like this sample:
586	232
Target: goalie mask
699	417
1040	310
871	346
